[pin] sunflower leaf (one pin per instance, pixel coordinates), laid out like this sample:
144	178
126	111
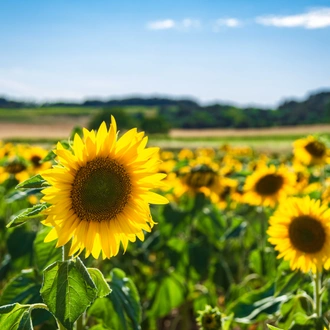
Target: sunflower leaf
36	181
121	309
27	214
45	253
67	291
102	286
16	317
20	195
24	288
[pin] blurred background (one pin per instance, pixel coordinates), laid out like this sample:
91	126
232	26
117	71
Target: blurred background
166	67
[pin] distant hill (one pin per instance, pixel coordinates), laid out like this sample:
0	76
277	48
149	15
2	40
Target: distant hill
186	113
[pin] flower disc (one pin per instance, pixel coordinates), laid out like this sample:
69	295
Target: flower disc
99	192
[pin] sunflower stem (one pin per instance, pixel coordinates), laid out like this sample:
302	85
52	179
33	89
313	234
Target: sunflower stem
80	322
317	294
65	251
263	240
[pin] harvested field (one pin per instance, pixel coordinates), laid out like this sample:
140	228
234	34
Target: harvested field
62	130
287	130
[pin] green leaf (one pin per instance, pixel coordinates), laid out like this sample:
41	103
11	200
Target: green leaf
20	242
45	253
292	310
23	289
67	290
15	317
102	286
125	299
256	303
21	195
169	294
271	327
121	309
36	181
99	327
28	214
199	256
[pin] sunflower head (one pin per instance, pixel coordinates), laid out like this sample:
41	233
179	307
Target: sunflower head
209	318
100	191
268	185
200	176
300	231
14	167
311	151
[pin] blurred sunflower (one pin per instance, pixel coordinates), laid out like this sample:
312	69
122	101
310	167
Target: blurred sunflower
99	192
197	179
311	151
268	185
226	190
300	231
35	155
14	167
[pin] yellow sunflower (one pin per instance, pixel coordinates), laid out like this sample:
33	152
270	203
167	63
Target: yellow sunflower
197	179
311	151
100	191
14	167
268	185
300	231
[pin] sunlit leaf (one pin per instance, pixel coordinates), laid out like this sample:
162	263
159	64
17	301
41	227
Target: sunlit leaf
15	317
101	284
36	181
67	291
28	214
23	289
121	309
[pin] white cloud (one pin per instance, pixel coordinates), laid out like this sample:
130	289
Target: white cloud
161	25
314	19
189	23
185	24
226	23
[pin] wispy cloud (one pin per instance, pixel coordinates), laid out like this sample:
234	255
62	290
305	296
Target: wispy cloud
165	24
189	23
313	19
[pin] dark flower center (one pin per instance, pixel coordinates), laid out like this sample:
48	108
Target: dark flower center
316	149
200	176
35	160
269	185
14	168
101	190
307	234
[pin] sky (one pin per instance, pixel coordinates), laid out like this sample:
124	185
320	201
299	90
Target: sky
246	52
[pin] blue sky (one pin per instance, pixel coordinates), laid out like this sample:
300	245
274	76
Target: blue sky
244	52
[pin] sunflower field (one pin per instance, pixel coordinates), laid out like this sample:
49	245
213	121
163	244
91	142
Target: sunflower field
102	232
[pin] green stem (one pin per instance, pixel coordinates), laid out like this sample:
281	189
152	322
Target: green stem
317	294
65	251
80	322
263	229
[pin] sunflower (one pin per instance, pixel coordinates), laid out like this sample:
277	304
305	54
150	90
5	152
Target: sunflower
35	155
268	185
100	191
14	167
300	231
197	179
311	151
